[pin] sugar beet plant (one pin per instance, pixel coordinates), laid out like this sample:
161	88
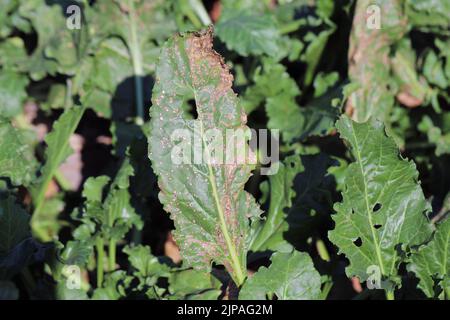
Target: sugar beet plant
117	179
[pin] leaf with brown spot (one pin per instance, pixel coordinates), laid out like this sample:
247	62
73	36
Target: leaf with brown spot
206	199
369	62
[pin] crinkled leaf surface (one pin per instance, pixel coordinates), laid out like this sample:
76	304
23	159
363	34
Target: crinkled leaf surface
206	200
16	156
431	263
291	276
383	207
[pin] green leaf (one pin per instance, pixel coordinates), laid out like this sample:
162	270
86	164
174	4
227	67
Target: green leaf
319	115
93	188
299	198
431	263
12	93
433	70
59	48
270	80
114	286
146	264
13	224
383	207
274	87
16	156
113	216
193	285
148	270
249	34
427	14
291	276
269	232
13	54
207	201
17	248
435	135
58	149
119	214
322	82
314	52
76	253
277	90
63	293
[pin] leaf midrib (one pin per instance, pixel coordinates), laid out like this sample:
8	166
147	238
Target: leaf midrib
366	198
240	275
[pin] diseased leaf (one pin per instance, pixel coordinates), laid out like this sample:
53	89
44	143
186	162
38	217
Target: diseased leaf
369	64
383	207
291	276
207	202
16	156
431	263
